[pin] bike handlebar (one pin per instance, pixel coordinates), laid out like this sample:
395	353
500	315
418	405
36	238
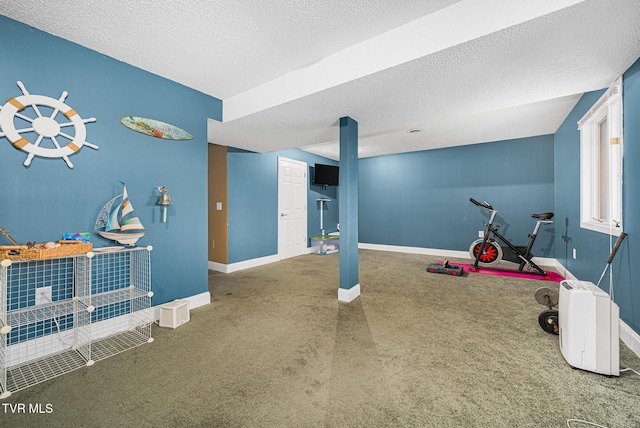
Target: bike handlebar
483	204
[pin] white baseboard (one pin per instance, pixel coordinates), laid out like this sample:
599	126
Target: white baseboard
414	250
246	264
198	300
195	301
543	261
349	295
218	267
630	338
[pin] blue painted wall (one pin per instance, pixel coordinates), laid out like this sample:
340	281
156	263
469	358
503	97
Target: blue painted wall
593	248
40	202
253	202
421	199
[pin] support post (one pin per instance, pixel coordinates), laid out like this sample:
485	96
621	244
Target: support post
348	216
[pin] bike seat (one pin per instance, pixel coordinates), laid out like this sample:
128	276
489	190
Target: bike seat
543	216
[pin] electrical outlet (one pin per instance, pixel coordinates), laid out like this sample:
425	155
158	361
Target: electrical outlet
213	244
481	234
575	256
43	295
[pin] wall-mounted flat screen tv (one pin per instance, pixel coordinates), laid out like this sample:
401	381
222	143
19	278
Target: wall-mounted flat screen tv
325	175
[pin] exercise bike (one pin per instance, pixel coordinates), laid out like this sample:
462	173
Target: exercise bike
489	252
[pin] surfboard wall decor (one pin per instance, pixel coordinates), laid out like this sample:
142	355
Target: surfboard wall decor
155	128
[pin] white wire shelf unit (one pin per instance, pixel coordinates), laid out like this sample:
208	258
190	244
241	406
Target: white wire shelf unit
119	299
42	335
58	315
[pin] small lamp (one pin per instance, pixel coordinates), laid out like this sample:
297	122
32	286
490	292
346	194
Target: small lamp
164	201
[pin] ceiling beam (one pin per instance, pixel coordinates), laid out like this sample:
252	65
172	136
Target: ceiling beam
456	24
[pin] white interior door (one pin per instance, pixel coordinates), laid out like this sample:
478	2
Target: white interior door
292	208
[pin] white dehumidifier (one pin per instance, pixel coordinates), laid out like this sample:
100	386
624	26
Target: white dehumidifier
589	328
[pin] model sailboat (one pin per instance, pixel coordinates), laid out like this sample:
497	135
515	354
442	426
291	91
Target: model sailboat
118	221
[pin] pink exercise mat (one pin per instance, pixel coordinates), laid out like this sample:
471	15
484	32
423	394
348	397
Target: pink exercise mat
501	271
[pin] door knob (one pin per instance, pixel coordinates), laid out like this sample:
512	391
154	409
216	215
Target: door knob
282	214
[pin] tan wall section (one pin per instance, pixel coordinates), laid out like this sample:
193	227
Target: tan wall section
218	236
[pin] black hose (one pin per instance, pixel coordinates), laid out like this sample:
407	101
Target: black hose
616	246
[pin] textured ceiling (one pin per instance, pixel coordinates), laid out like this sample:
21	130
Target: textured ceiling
463	72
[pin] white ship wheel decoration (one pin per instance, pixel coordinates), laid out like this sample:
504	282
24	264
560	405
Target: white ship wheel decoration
46	127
